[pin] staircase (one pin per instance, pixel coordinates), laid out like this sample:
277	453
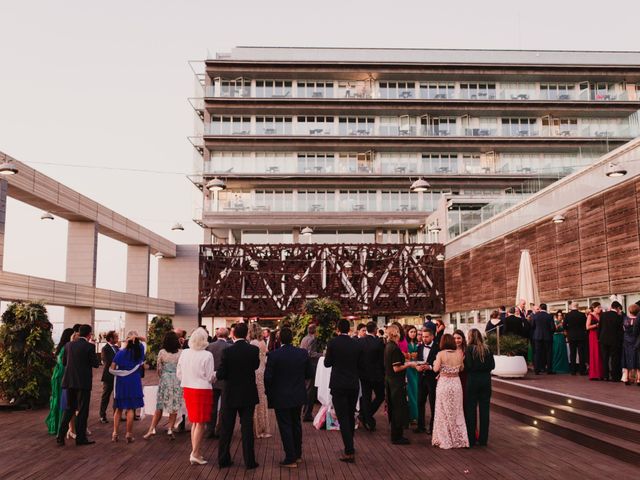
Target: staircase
611	430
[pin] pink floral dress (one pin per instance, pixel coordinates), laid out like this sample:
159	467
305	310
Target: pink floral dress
449	427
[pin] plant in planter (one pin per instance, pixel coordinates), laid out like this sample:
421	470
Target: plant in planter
325	313
26	354
158	327
298	324
511	362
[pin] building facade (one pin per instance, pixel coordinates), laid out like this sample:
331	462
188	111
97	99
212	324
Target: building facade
329	141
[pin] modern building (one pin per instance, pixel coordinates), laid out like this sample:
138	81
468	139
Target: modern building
329	141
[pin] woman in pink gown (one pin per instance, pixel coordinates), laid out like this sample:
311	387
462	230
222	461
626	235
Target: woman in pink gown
595	363
449	426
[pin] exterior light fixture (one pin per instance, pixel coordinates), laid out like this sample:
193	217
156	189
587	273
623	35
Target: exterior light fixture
296	276
177	227
254	264
215	185
370	274
46	216
440	257
307	231
348	264
420	185
159	255
8	167
558	219
615	170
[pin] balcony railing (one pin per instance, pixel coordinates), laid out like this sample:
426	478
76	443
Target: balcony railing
352	206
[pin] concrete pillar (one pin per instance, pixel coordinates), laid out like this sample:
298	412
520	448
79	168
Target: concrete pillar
3	214
178	280
137	283
82	249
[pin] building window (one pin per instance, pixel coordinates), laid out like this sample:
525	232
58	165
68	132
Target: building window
559	127
398	163
437	91
517	91
273	88
519	127
315	89
273	200
316	163
316	200
356	126
315	125
275	162
442	163
438	126
238	87
399	201
357	200
230	126
478	91
557	91
273	125
228	162
397	90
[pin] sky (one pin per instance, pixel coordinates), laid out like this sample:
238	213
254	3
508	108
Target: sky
105	84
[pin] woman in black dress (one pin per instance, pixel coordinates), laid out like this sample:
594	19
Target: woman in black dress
395	386
478	363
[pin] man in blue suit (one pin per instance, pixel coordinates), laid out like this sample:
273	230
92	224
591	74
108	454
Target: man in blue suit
542	330
284	382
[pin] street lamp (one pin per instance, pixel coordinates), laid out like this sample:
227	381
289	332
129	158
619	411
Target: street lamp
420	185
216	185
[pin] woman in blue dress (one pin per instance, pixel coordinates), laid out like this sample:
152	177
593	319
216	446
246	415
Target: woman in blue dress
412	374
127	390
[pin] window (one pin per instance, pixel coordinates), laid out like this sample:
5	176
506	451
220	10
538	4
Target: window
603	91
604	127
472	164
399	201
517	91
557	91
355	126
230	126
273	125
316	163
559	127
357	200
227	162
273	88
478	91
315	125
315	89
316	200
238	87
273	200
356	89
398	163
266	236
394	90
443	163
519	127
437	91
438	126
275	162
234	201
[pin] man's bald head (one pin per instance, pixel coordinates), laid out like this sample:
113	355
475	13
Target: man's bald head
222	332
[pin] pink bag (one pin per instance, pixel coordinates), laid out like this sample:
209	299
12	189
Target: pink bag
320	418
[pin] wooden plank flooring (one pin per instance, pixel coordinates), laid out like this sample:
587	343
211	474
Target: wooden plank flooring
515	451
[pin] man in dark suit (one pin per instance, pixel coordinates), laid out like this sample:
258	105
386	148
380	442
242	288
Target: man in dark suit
79	359
284	383
238	367
542	329
575	324
344	356
108	352
427	352
513	324
371	376
216	348
610	335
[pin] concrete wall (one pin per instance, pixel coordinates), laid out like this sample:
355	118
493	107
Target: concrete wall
178	280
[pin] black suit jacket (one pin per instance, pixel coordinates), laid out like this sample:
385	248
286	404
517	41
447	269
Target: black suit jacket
513	326
284	376
611	329
79	359
542	327
108	352
433	352
238	367
575	324
372	358
344	357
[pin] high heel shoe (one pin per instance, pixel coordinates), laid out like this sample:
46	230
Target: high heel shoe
70	434
114	437
197	461
149	434
129	438
171	435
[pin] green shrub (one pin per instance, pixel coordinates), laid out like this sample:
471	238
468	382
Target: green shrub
26	354
298	324
158	327
325	313
510	345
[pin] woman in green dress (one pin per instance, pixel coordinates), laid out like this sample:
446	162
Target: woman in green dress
560	357
412	374
55	410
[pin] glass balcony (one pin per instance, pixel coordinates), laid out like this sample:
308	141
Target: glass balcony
521	130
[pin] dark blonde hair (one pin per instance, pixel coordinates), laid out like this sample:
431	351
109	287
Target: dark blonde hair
476	343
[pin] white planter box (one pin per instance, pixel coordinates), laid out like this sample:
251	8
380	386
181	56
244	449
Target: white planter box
510	367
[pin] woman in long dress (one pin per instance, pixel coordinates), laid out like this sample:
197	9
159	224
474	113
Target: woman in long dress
449	428
412	374
630	360
127	370
169	390
461	347
55	404
560	356
595	363
260	415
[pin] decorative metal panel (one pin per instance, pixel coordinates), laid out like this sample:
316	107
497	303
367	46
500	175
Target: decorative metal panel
276	279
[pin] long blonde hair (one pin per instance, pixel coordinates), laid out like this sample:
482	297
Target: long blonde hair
478	349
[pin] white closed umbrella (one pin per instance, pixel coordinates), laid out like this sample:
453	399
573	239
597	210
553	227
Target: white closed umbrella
527	286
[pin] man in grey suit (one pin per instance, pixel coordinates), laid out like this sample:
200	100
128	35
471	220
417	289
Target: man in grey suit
216	349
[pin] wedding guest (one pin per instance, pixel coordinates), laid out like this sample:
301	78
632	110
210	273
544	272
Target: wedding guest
196	371
502	311
575	326
266	335
261	425
169	396
182	336
344	357
412	374
310	344
461	346
513	324
79	360
427	351
108	352
595	363
449	427
560	359
478	363
55	406
126	367
395	386
610	337
542	329
371	377
216	348
361	330
239	397
404	348
495	324
284	377
429	323
440	329
630	360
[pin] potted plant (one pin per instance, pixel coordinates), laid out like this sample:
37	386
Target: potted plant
510	353
158	327
325	313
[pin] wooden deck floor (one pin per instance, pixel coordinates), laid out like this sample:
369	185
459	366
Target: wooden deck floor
515	451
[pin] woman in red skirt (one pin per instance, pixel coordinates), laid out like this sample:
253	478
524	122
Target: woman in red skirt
196	372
